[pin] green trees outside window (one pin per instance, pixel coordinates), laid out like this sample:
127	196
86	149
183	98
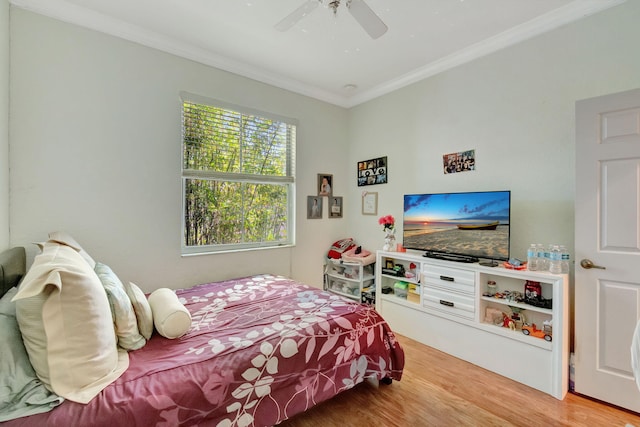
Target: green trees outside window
238	177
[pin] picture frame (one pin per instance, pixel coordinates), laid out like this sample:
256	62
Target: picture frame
314	207
389	264
335	207
463	161
372	171
325	184
369	203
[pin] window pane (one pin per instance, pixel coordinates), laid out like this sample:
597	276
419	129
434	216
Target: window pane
264	146
211	138
226	141
219	212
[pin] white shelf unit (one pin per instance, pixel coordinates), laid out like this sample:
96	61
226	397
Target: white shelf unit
450	315
348	279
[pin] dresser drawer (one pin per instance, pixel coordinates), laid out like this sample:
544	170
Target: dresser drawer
452	279
447	302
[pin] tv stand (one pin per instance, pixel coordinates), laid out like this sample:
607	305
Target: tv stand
450	306
451	257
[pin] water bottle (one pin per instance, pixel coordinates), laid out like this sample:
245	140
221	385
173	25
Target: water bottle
542	262
532	258
547	257
564	264
555	260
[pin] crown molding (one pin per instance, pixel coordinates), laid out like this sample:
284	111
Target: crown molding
572	12
83	17
63	11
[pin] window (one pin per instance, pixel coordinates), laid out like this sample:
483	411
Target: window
238	177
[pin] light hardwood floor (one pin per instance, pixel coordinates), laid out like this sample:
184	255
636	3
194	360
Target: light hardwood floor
440	390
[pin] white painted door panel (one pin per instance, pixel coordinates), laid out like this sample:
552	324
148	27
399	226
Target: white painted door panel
607	229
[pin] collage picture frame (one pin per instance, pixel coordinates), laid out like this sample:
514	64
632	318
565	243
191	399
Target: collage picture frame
372	171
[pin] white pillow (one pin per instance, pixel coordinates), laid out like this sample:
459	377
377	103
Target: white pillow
66	239
141	307
122	312
170	316
66	324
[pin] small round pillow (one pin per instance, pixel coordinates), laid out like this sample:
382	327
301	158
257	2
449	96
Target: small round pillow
170	317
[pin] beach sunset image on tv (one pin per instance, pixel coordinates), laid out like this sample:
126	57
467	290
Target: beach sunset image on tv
473	223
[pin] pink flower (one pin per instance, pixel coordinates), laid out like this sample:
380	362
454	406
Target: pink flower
387	222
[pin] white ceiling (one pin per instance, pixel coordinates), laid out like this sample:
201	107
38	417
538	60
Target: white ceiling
323	54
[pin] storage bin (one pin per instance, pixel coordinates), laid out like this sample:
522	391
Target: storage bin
352	288
401	288
400	293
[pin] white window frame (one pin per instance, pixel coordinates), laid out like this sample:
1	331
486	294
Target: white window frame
289	180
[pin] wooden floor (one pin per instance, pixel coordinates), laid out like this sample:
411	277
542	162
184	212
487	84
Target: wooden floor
440	390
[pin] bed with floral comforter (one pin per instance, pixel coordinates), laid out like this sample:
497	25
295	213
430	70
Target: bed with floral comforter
260	350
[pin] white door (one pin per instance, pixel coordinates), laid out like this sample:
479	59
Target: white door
607	234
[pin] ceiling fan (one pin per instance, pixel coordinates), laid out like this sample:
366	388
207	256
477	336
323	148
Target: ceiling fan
362	13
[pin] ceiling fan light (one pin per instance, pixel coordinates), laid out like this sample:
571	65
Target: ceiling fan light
363	14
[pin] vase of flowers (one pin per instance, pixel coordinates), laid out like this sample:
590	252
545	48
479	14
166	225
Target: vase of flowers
388	226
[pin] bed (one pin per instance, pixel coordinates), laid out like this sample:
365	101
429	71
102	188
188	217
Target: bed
258	351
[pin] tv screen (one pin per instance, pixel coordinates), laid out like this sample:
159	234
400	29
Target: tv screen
472	224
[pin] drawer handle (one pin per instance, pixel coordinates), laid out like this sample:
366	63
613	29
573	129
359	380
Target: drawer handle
447	303
447	278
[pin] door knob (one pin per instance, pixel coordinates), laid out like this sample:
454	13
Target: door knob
587	263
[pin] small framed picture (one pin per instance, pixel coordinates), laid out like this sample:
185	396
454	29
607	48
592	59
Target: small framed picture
325	183
389	264
335	207
463	161
369	203
314	207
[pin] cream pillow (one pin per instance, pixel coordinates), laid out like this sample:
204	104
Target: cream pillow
170	316
124	318
66	239
141	307
66	324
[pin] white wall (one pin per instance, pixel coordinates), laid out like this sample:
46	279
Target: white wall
86	108
95	150
4	124
516	109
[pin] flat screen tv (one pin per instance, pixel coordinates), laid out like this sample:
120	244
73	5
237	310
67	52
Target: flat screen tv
471	226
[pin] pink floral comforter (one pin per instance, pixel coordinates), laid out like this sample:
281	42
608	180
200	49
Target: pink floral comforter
260	350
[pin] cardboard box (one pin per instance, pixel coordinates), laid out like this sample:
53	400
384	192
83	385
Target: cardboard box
413	297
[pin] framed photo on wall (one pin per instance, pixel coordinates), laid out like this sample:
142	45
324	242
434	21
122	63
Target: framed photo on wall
373	171
314	207
462	161
335	207
325	184
369	203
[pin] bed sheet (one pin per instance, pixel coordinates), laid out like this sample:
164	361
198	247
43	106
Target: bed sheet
260	350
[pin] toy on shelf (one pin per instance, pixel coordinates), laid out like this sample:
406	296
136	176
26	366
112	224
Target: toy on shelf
507	322
518	317
545	333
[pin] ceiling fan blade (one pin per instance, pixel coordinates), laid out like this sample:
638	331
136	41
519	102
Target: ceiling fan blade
293	18
367	18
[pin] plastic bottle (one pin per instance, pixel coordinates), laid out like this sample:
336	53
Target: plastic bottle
555	260
564	265
542	262
532	257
